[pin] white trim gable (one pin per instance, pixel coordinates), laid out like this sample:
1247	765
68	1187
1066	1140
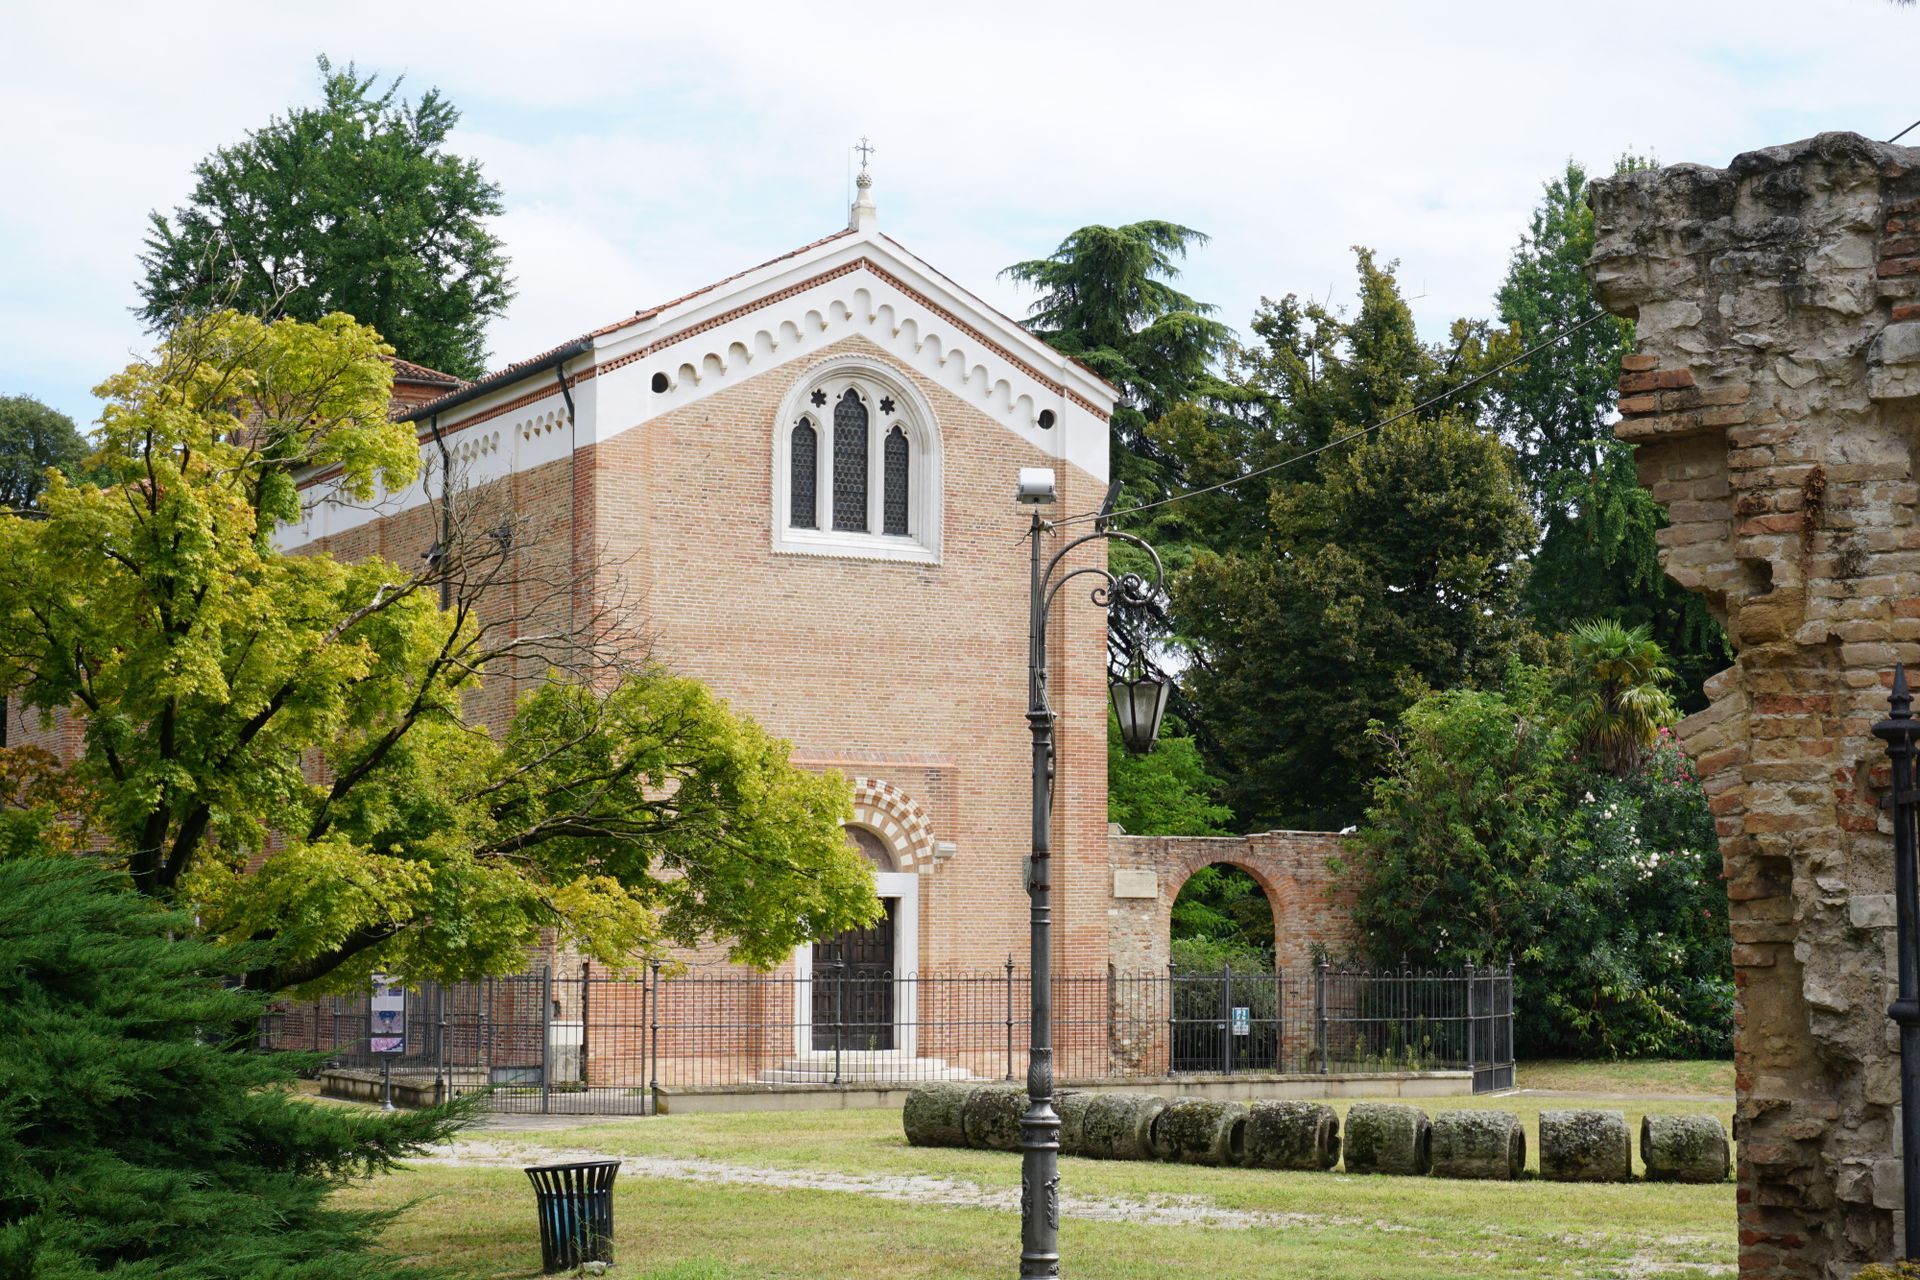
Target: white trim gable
865	284
856	283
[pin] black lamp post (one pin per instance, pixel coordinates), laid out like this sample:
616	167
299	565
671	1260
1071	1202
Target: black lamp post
1900	731
1139	703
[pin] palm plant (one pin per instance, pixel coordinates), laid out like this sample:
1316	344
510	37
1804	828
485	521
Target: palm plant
1616	689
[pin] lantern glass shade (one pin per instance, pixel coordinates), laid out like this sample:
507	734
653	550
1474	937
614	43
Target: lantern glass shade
1138	705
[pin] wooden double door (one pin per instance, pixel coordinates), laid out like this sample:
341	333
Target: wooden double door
853	986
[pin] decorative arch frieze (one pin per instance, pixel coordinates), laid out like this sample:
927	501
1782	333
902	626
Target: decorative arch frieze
774	328
627	384
896	818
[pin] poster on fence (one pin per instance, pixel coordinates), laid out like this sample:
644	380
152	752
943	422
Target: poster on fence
1242	1020
387	1032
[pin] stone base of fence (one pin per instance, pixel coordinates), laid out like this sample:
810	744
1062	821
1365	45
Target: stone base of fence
1370	1084
410	1088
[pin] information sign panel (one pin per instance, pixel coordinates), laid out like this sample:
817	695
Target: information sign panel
388	1030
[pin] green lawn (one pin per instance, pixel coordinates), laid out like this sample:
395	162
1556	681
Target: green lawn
1712	1079
908	1212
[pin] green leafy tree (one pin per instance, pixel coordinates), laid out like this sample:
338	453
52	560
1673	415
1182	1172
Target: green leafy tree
1221	918
1107	297
1617	697
1556	406
132	1145
1398	570
1165	792
354	205
1634	957
1487	838
1313	376
1469	811
34	439
280	743
1597	555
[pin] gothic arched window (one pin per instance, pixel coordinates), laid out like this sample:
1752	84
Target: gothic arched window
850	464
894	502
857	465
803	459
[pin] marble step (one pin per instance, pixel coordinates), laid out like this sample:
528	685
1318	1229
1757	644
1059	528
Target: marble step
862	1067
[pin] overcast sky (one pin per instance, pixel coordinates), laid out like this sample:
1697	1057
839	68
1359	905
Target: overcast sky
645	149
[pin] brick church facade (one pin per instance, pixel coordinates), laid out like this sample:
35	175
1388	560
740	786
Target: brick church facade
799	484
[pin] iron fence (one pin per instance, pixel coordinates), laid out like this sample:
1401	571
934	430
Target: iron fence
600	1042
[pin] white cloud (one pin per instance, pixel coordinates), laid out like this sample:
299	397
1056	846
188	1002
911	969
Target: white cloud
644	150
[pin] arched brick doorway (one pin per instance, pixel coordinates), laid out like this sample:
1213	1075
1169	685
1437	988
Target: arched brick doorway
1222	914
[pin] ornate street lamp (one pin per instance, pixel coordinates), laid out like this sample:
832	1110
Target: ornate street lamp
1139	702
1899	731
1145	700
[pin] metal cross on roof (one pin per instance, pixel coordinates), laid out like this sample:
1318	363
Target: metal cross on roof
865	149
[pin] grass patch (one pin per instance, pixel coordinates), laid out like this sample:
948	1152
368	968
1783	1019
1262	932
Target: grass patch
479	1221
1708	1078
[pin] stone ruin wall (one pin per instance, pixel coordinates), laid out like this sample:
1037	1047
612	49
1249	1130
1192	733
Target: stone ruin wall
1773	394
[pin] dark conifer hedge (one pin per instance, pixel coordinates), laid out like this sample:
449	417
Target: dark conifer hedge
135	1138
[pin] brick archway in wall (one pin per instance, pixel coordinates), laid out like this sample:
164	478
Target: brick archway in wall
1295	869
1189	866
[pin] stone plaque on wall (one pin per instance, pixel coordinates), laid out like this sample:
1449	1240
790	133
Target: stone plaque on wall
1136	884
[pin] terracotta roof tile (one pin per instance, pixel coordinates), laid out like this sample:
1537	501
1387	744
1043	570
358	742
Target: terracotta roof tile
717	284
408	371
505	372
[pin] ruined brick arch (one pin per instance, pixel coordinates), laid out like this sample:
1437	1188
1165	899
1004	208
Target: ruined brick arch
896	818
1312	904
1771	396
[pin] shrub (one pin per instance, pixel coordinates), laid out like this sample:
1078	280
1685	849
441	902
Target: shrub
136	1138
1488	837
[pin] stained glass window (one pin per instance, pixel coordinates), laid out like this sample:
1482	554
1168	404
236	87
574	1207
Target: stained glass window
805	471
894	504
850	463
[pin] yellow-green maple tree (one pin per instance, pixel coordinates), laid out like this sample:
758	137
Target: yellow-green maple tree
278	742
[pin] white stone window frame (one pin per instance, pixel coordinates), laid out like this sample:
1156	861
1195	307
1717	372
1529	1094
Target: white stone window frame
874	380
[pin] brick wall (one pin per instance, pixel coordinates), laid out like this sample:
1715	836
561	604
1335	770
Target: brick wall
914	674
1773	397
1295	869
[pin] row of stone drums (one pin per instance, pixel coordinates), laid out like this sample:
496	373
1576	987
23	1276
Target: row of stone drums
1381	1137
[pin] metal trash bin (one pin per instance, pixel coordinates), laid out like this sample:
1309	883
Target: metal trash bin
575	1204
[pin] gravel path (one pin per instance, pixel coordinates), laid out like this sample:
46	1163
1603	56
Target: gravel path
1168	1210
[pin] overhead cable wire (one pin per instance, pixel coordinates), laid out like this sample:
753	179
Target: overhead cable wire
1424	405
1903	133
